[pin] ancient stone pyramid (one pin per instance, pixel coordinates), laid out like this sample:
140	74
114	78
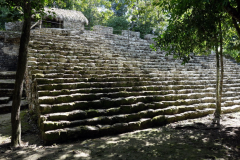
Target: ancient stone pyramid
97	83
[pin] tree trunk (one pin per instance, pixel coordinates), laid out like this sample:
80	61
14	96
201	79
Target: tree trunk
21	68
219	85
218	100
222	69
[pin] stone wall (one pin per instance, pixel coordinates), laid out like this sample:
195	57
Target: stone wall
73	25
9	45
131	34
17	26
149	38
56	31
102	30
13	26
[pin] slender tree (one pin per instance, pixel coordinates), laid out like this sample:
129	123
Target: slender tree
21	68
196	27
29	8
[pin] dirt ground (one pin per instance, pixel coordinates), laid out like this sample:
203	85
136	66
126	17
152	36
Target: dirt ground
185	140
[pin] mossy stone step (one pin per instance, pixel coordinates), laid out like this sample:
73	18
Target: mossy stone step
59	79
122	118
55	74
91	84
6	92
166	85
72	80
119	92
6	107
7	74
107	103
126	99
103	130
177	107
7	84
4	100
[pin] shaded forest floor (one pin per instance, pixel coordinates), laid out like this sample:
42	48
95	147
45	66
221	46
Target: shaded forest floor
185	140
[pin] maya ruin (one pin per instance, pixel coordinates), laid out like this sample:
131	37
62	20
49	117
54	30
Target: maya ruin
84	84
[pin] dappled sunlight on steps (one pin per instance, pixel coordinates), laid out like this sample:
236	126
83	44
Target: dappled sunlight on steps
99	84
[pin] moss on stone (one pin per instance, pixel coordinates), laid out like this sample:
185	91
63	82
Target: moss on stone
133	117
134	125
52	136
65	91
170	118
168	111
180	117
92	113
64	99
158	112
145	123
105	120
106	130
182	109
112	111
38	75
159	120
143	114
125	109
120	127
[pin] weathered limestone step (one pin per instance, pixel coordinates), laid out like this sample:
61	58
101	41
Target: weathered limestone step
121	118
230	109
84	71
105	103
4	100
7	74
233	89
90	84
121	97
133	88
6	92
173	81
169	84
113	92
109	79
139	109
6	108
80	54
102	130
85	105
8	83
93	95
164	77
89	76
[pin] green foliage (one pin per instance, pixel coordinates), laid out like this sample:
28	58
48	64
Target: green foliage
193	28
118	24
119	8
96	11
9	14
11	11
146	18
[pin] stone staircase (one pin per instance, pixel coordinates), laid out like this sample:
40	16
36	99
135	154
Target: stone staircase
7	80
98	83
